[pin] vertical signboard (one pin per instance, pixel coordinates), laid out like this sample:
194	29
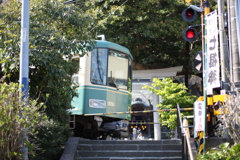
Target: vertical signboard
212	65
199	116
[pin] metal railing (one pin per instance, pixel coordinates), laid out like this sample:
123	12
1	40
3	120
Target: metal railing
186	146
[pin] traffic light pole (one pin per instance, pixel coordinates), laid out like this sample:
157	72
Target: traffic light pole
205	6
204	70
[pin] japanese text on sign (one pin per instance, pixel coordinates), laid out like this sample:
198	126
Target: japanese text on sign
212	65
199	116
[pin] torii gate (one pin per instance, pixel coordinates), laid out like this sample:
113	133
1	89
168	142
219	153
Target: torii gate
141	77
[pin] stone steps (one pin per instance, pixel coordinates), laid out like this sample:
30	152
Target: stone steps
128	149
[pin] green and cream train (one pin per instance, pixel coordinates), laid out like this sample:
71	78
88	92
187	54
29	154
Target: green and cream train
104	83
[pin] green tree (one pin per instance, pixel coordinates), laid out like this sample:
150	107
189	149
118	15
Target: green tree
15	117
171	94
57	32
151	29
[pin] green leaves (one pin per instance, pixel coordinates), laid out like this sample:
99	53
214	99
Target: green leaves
223	152
150	29
57	32
15	117
171	94
50	134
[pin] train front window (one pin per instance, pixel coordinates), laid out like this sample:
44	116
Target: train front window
99	66
111	68
118	69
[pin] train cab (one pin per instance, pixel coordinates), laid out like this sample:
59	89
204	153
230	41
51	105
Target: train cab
103	85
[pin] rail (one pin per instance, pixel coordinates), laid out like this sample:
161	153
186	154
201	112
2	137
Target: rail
185	138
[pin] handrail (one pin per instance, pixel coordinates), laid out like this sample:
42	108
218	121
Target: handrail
185	134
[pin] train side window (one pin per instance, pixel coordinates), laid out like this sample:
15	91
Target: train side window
75	79
130	75
99	66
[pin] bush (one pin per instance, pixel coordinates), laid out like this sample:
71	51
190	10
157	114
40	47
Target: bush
52	137
17	119
224	152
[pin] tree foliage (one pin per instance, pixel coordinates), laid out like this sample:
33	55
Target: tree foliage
224	151
152	29
57	32
171	94
50	140
16	118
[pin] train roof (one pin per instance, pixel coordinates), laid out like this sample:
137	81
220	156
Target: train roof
106	44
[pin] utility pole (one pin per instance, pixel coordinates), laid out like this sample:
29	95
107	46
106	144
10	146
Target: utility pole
204	68
24	64
223	46
206	7
234	44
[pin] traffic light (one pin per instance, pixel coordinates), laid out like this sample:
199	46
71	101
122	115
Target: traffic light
189	15
190	34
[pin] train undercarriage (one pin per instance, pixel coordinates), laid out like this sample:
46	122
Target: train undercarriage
96	127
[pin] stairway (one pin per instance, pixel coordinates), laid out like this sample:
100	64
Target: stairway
128	150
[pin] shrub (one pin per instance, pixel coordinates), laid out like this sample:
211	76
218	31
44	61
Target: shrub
17	119
224	152
52	137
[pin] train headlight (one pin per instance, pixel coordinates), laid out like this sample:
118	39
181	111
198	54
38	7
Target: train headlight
96	103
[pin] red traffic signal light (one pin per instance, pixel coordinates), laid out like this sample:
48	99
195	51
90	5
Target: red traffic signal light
190	34
189	15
